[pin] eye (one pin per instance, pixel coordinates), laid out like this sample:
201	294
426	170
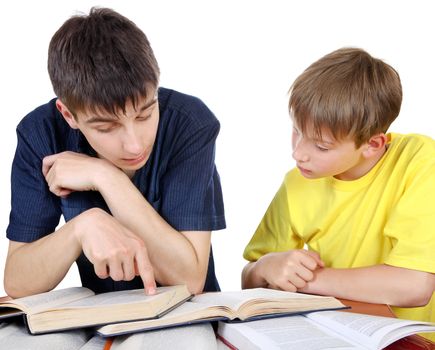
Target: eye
105	130
321	148
106	127
144	118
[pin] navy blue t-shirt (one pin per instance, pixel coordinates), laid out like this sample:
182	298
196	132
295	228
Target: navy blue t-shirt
179	180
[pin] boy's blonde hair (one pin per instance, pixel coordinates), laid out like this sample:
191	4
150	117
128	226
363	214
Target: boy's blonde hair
348	92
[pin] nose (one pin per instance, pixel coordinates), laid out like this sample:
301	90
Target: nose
132	142
299	153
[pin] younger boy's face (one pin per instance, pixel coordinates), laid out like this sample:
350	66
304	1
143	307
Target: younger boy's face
317	158
125	140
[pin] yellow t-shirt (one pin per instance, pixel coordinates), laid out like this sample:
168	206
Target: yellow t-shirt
385	217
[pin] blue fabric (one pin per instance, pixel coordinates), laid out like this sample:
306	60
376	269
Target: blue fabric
179	180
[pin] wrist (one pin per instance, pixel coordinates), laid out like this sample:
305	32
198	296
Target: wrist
258	273
321	282
107	176
80	224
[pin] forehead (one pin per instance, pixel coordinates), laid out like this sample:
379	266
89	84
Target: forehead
131	109
317	133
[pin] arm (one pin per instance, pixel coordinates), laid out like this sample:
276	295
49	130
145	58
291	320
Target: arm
39	266
290	270
382	284
114	251
177	257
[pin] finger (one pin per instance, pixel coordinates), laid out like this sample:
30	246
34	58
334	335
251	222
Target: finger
146	272
284	285
63	192
297	281
128	269
309	261
136	270
101	270
56	190
115	271
316	257
47	163
306	274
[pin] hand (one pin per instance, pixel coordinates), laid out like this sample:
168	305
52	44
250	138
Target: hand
68	171
113	249
290	270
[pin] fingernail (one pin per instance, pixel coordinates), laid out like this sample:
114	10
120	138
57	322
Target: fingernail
151	291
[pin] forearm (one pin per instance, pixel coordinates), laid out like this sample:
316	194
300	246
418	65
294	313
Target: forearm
375	284
172	255
41	265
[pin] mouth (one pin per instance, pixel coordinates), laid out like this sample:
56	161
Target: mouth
135	161
304	171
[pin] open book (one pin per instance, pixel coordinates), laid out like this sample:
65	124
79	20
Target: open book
330	329
78	307
241	305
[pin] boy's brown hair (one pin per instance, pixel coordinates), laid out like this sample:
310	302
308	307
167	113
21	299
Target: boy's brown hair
98	62
348	92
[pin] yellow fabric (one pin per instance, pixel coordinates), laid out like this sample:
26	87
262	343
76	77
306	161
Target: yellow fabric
384	217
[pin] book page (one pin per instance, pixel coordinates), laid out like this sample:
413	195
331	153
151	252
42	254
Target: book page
54	298
119	297
259	301
186	312
236	298
372	331
290	333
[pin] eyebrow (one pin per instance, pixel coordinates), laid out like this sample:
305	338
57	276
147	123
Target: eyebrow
105	119
324	141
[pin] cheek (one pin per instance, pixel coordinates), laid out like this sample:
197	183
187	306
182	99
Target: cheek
294	140
104	145
148	133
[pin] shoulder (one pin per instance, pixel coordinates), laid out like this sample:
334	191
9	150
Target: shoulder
41	116
412	147
411	157
44	129
184	108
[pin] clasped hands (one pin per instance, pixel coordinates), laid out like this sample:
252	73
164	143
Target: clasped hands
290	270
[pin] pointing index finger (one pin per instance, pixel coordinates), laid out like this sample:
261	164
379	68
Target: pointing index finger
146	272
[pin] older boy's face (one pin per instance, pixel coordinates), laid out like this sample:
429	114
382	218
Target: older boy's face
125	140
316	158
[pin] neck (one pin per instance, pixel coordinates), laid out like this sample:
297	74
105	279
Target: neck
363	167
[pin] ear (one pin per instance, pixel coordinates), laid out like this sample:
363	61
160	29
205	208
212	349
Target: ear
67	115
374	145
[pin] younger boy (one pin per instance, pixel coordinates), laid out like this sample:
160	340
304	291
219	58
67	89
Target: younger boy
129	165
363	201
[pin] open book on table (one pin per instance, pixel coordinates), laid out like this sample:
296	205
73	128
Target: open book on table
240	305
79	307
325	330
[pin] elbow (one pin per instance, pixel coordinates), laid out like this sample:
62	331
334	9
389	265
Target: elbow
196	282
419	293
11	289
196	286
424	294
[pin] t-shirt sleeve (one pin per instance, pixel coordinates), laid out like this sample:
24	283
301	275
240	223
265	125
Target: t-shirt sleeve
191	190
35	211
274	233
411	225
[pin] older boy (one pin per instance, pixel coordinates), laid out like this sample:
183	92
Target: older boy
129	165
362	201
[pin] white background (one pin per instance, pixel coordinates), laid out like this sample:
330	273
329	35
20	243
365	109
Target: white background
239	57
